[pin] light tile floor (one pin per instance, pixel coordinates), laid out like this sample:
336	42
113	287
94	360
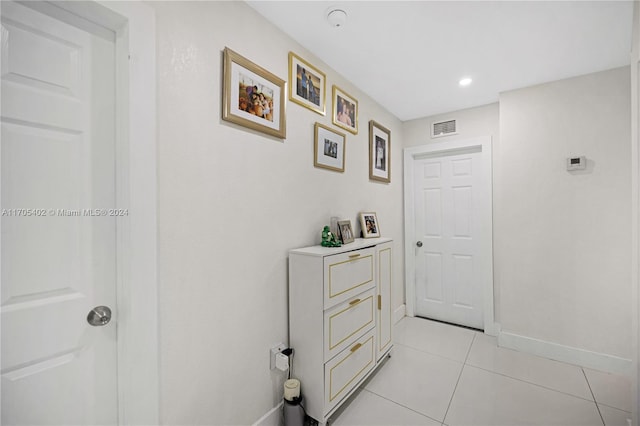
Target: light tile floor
441	374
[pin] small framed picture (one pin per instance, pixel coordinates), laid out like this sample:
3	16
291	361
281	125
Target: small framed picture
370	227
252	96
345	231
379	152
345	110
307	84
328	150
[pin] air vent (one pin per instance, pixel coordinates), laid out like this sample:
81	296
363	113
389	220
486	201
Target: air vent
443	128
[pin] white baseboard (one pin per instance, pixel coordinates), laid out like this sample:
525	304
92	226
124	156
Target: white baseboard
493	329
558	352
399	313
272	418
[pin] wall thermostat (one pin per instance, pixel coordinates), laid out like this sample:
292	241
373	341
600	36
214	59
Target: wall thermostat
577	163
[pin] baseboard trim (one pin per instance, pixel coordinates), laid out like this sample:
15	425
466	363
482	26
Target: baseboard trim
272	418
558	352
493	329
399	313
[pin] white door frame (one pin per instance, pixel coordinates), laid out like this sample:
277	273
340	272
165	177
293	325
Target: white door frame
635	213
136	190
452	147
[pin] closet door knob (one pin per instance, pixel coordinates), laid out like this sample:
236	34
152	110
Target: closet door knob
419	243
99	316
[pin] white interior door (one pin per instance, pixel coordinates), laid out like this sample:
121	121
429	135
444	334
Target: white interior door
448	213
58	236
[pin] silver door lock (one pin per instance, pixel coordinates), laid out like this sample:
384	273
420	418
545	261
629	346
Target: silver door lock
99	316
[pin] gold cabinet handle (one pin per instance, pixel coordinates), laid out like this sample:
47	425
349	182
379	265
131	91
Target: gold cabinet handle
379	302
353	256
356	347
353	302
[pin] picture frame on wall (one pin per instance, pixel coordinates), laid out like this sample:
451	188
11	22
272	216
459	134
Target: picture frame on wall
345	110
329	148
252	96
370	226
307	84
345	231
379	152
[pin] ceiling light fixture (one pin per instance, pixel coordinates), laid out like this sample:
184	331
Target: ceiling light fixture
465	82
336	17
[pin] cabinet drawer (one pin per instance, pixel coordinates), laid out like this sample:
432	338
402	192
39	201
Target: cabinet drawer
344	323
346	370
346	275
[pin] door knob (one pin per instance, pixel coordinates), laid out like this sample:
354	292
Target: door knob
99	316
419	243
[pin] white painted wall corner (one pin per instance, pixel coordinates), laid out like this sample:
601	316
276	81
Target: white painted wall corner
399	313
273	417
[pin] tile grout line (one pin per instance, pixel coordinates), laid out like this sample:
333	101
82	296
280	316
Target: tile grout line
593	395
533	383
431	353
464	364
400	405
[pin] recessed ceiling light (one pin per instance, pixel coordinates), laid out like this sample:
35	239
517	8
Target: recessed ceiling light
465	81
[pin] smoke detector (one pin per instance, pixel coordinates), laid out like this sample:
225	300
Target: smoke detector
336	17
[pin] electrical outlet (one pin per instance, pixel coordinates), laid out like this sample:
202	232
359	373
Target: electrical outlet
274	351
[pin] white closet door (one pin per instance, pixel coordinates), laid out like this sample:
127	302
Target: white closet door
448	286
58	259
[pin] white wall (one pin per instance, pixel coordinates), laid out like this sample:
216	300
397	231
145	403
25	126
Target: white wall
471	123
232	202
562	240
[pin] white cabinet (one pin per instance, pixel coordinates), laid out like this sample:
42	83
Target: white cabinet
340	318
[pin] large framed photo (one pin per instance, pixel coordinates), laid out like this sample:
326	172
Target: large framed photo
252	96
328	148
345	110
307	84
345	231
379	152
369	223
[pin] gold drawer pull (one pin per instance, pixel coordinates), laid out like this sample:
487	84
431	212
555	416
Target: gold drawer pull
379	302
356	347
353	302
353	256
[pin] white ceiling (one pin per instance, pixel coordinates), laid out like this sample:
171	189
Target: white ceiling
410	55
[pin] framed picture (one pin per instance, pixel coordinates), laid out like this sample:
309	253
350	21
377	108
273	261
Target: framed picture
345	231
252	96
370	227
328	150
379	152
307	84
345	110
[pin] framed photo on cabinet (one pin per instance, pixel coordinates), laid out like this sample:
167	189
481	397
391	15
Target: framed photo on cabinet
369	223
379	152
307	84
345	110
329	149
252	96
346	232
